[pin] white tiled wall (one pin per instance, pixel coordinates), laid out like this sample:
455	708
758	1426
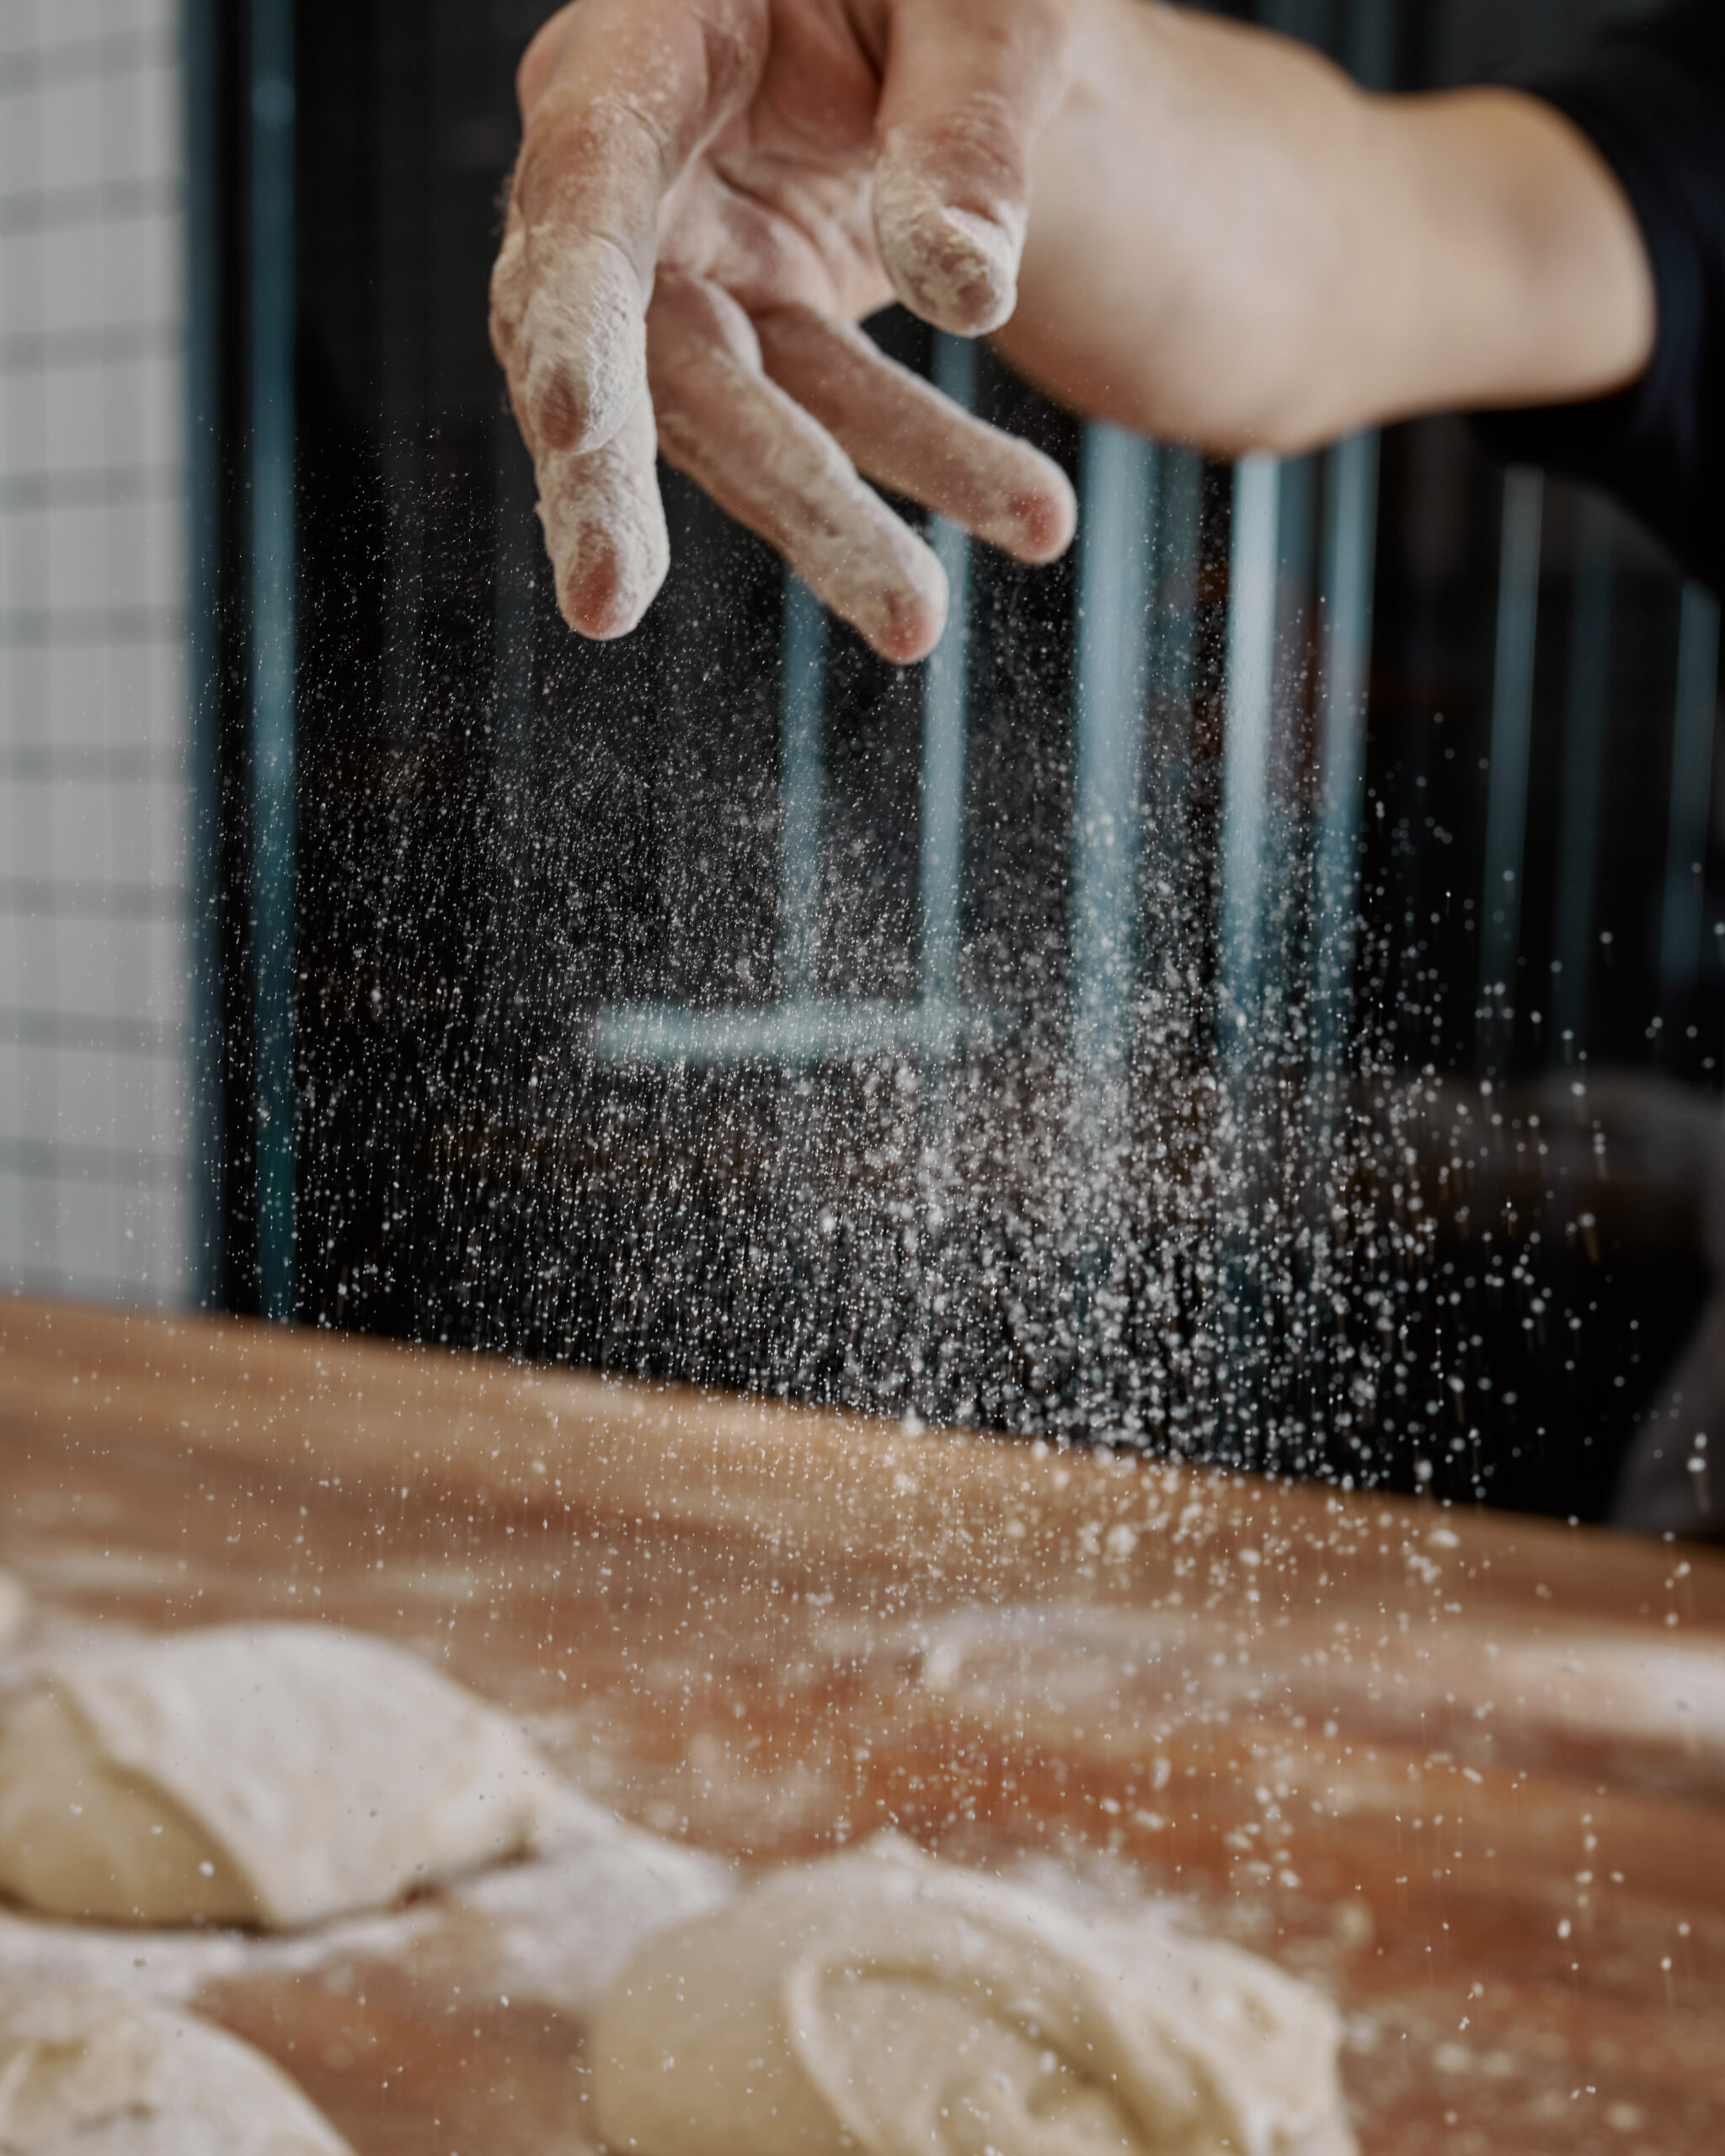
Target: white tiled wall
94	973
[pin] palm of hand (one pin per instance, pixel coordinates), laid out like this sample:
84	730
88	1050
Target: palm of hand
777	209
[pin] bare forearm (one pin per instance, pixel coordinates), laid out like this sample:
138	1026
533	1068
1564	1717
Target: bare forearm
1230	244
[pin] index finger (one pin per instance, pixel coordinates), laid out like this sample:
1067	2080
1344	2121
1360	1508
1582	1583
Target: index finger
617	97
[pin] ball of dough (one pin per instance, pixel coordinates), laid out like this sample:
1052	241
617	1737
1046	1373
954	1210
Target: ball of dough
883	2003
271	1775
87	2073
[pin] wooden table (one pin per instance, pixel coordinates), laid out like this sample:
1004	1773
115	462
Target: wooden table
1466	1771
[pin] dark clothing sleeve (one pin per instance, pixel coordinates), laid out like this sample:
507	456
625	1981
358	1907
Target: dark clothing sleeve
1651	96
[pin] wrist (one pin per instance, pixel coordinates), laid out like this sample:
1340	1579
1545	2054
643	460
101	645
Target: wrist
1195	227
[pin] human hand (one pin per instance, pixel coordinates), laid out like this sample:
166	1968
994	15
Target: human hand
710	195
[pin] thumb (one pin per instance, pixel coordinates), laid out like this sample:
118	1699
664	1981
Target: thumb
968	86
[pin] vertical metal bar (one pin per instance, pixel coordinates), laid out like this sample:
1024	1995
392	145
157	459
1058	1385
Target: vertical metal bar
400	114
1296	549
516	557
1117	496
1349	566
1173	658
1179	527
516	563
800	785
945	703
1583	773
200	92
1367	47
1245	754
273	637
1165	851
1691	811
1512	736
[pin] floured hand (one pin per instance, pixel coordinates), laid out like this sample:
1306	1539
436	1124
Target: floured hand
710	195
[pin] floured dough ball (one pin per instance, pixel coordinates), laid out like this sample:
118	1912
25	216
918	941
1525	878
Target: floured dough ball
886	2004
91	2074
273	1775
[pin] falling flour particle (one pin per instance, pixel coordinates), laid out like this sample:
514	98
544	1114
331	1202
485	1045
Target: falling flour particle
86	2072
273	1775
887	2004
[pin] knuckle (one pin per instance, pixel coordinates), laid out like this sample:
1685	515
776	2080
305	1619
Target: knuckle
508	292
734	39
539	62
577	142
505	318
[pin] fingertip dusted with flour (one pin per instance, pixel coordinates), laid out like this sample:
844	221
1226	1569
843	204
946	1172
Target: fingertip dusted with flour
1047	515
955	266
881	578
604	529
596	596
908	624
964	93
603	587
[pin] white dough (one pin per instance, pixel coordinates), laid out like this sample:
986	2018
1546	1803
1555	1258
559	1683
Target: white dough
560	1929
86	2072
273	1774
884	2004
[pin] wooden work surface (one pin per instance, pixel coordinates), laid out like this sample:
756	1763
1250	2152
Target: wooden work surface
1465	1771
